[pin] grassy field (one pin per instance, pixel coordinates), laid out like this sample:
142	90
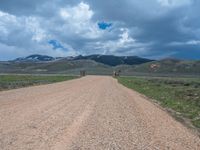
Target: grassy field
17	81
179	94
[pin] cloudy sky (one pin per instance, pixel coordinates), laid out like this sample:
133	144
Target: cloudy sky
147	28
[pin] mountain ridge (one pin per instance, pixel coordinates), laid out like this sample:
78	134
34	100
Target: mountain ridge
110	60
34	57
97	65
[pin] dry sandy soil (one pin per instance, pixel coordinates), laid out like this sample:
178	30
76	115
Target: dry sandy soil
87	113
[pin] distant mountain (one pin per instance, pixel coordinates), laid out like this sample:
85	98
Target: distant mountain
104	59
115	60
35	58
100	64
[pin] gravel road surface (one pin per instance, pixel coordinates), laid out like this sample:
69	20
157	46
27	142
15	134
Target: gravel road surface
93	113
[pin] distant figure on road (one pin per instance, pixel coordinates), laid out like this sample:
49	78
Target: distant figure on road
82	73
116	73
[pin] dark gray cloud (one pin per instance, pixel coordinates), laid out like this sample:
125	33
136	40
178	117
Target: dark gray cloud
149	28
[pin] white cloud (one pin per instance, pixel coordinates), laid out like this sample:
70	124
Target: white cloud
22	36
174	3
79	13
124	45
32	25
30	34
146	26
27	27
125	38
78	19
6	23
191	42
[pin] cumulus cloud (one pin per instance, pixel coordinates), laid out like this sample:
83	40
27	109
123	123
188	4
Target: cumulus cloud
77	19
80	13
125	27
192	42
174	3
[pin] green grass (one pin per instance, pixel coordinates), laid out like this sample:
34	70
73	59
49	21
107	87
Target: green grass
180	94
17	81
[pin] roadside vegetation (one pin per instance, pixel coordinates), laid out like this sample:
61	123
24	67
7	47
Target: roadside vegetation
179	94
18	81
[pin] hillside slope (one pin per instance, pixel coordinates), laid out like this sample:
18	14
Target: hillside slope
63	66
170	66
75	65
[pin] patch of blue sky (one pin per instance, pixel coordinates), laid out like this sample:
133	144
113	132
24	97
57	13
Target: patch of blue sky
56	44
104	25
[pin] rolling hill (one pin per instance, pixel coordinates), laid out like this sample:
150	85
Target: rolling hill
99	64
62	66
165	67
170	66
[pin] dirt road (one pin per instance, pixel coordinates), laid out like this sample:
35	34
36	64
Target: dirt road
87	113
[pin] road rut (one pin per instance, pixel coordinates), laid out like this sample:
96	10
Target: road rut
93	112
